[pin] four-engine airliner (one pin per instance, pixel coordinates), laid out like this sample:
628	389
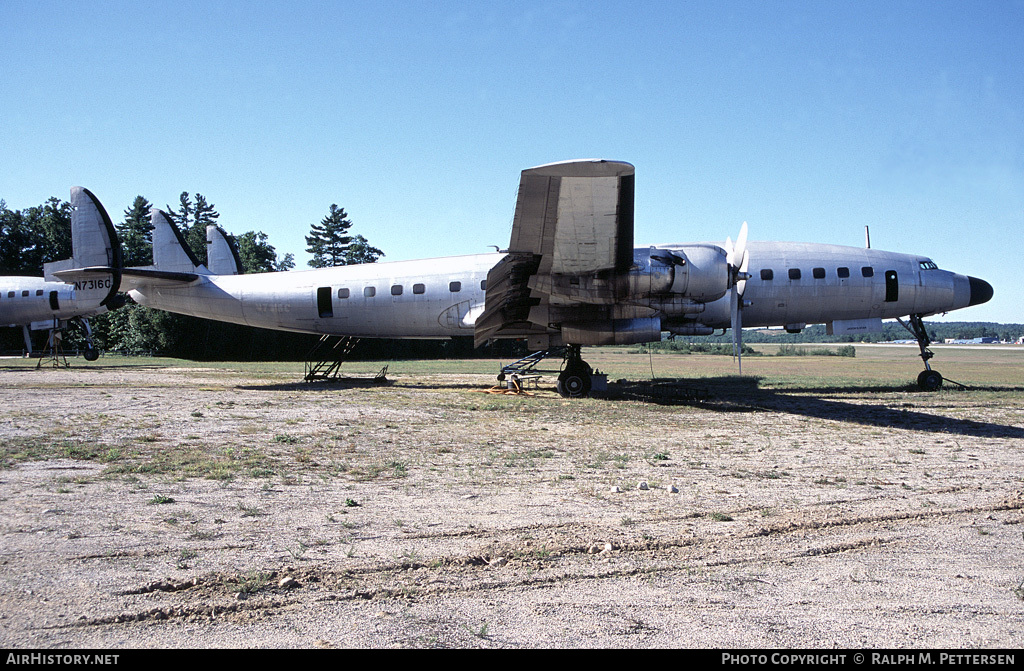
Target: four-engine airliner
571	277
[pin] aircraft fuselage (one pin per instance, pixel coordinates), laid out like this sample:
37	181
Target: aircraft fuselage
801	283
33	301
791	284
426	298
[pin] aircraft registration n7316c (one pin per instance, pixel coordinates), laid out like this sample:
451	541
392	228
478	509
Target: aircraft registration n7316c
87	284
570	277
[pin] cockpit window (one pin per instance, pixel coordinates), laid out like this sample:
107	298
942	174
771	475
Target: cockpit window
928	265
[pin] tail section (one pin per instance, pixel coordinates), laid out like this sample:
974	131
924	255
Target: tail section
95	263
221	252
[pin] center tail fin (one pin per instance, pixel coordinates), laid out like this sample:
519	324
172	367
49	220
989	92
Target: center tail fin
221	252
171	252
174	263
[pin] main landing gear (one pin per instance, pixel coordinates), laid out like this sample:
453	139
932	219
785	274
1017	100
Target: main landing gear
928	380
575	379
54	351
573	382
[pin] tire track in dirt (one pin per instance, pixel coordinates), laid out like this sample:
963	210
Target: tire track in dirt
221	596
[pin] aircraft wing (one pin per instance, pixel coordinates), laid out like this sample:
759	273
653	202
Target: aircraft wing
573	220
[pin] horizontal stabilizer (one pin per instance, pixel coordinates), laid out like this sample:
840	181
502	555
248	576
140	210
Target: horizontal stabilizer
134	278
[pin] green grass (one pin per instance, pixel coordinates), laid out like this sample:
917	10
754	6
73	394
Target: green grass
429	422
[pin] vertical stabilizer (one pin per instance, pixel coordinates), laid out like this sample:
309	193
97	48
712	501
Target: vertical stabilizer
170	251
221	253
94	244
93	237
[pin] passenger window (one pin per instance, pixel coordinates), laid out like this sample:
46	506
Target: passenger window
39	292
483	285
419	289
843	272
396	289
454	287
819	273
343	293
867	271
10	294
794	273
767	274
24	294
369	292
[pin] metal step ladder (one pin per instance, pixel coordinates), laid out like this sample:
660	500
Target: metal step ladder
324	361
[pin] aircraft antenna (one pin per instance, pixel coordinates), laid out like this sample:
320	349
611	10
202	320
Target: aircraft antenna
867	238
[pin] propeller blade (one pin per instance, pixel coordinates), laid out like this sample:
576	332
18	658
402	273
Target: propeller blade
736	324
734	253
737	334
738	259
741	241
741	283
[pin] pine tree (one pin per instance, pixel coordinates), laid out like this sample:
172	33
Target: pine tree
360	251
192	220
327	241
330	244
203	216
136	234
258	256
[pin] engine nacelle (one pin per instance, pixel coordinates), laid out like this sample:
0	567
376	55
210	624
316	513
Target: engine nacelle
612	332
697	272
690	329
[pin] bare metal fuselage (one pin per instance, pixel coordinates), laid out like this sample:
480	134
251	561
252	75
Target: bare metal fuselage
33	301
441	298
427	298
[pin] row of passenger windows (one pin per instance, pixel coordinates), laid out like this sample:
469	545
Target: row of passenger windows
818	273
398	289
25	293
841	272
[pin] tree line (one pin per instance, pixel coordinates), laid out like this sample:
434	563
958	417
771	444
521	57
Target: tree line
937	331
37	235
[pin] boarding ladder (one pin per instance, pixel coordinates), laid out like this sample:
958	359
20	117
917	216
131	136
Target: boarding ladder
324	361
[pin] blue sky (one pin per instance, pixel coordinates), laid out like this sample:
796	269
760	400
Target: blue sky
809	120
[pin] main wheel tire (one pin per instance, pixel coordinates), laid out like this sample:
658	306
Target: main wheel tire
573	384
91	354
929	380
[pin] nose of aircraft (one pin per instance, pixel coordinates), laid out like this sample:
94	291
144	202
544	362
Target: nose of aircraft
981	291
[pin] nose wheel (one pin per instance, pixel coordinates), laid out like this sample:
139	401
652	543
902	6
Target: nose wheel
928	379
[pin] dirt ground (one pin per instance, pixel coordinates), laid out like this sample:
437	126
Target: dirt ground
153	506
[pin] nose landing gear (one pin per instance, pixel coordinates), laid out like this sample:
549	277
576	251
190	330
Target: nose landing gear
928	380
